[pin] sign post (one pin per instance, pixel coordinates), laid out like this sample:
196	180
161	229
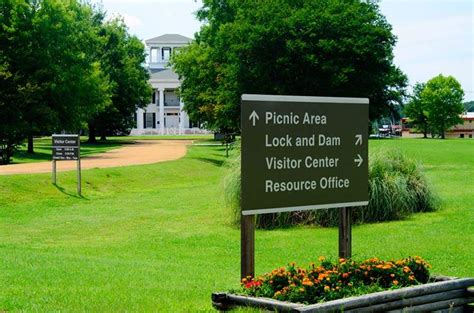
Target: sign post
302	153
67	147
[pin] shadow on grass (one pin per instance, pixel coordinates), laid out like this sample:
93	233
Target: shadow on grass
212	161
39	156
61	189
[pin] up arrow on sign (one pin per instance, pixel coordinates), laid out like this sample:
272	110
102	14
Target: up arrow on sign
359	160
254	117
359	140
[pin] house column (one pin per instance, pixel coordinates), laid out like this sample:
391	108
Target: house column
181	117
140	123
162	110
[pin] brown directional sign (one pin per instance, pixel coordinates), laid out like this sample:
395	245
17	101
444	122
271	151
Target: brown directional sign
65	147
303	153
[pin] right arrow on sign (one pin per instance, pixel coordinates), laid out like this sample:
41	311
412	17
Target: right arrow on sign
359	160
358	140
254	117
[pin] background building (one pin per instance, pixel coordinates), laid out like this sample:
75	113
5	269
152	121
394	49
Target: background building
164	115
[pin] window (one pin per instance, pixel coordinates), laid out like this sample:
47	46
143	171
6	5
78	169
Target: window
154	55
153	97
166	53
149	120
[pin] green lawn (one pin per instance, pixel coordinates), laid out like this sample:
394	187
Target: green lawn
158	237
42	146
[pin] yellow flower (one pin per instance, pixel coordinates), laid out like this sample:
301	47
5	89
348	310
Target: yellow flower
301	289
321	259
342	260
392	275
326	288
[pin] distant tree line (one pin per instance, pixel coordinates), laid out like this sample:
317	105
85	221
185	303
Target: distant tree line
64	67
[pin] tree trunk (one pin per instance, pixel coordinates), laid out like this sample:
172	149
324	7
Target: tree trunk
91	134
442	132
103	137
425	130
30	144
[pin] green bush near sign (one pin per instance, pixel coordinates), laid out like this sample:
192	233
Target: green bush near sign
397	188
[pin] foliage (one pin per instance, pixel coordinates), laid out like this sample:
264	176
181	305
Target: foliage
416	110
49	45
397	189
330	281
436	105
469	106
122	57
317	48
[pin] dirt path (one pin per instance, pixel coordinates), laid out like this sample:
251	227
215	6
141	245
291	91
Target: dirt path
140	152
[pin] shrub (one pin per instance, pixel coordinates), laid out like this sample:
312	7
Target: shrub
397	188
330	281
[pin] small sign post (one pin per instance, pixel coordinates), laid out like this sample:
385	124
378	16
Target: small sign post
302	153
67	147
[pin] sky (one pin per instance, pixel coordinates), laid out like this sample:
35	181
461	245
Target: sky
434	36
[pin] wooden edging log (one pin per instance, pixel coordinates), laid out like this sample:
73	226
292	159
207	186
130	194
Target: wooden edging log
387	296
442	294
225	301
411	302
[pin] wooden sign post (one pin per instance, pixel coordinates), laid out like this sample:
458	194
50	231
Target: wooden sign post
67	147
302	153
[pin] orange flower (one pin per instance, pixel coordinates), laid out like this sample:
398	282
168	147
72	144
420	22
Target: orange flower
307	282
392	275
395	282
326	288
345	275
321	276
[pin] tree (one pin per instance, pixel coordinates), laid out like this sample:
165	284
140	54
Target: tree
312	47
416	110
122	56
443	96
469	106
55	83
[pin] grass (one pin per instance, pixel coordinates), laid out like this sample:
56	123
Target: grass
42	146
158	237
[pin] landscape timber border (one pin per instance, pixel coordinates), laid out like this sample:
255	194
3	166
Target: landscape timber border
443	293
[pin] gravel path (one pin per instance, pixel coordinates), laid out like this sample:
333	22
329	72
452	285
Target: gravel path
140	152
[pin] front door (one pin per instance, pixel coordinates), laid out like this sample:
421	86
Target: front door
172	120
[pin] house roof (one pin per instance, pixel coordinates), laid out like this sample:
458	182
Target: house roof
169	38
166	74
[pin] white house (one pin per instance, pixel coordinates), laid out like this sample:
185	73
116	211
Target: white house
164	115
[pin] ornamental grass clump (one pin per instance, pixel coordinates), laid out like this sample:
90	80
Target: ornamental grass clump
331	281
397	188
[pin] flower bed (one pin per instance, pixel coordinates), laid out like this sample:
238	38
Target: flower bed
293	288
